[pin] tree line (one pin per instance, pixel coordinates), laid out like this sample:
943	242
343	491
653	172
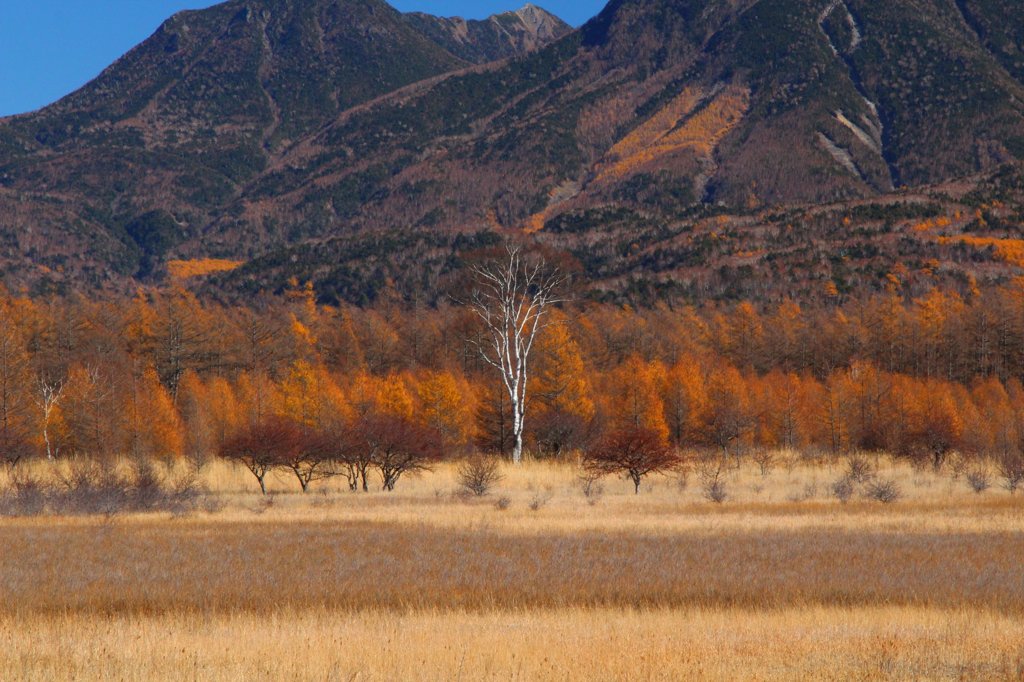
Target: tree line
349	391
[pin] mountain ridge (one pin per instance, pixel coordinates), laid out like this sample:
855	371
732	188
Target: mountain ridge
500	36
657	107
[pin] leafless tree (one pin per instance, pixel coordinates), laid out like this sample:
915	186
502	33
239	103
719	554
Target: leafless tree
712	478
48	397
511	296
1011	471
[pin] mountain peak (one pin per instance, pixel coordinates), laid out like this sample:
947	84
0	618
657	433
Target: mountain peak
500	36
541	22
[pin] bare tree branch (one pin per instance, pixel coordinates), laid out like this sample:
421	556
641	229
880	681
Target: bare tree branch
511	298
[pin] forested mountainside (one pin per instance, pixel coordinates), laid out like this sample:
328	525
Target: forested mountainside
675	148
105	182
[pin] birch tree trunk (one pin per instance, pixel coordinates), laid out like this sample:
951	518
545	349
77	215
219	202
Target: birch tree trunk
511	298
49	396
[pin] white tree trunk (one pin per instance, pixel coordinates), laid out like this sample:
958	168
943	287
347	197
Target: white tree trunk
511	300
517	432
50	394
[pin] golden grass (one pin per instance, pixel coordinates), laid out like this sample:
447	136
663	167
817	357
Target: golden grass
565	644
781	582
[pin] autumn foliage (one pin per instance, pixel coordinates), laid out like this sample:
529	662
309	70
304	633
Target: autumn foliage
378	393
635	452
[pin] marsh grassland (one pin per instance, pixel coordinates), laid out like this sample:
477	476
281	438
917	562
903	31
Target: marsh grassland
534	581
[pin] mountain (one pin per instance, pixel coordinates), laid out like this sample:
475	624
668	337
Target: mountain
501	36
255	134
141	159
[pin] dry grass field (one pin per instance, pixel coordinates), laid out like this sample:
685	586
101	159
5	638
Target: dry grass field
535	581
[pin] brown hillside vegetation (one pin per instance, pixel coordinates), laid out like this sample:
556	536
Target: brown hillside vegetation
187	269
678	127
416	147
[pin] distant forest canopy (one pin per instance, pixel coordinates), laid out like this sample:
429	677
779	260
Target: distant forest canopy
167	375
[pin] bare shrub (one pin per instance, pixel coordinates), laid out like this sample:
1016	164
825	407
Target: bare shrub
882	491
591	487
843	489
503	503
478	474
713	483
90	489
789	463
682	479
979	480
766	460
26	496
1011	471
715	491
859	470
812	456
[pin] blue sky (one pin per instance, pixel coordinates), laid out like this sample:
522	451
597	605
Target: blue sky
49	48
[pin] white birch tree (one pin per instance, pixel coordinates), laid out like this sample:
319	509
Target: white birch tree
511	297
48	398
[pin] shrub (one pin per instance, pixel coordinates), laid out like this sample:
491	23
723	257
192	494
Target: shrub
1011	470
712	485
503	503
715	491
885	492
478	474
766	460
859	470
25	497
93	490
979	480
591	486
842	489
